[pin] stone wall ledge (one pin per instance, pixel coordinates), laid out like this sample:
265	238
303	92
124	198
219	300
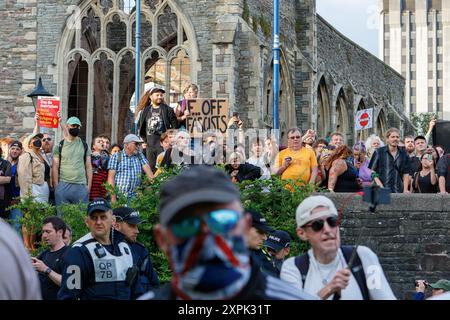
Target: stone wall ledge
415	202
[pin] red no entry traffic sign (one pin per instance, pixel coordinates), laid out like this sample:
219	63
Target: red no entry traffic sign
364	119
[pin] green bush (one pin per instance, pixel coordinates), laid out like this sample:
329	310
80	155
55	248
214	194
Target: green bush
276	199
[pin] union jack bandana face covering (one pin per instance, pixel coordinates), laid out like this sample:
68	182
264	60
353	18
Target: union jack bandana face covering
210	266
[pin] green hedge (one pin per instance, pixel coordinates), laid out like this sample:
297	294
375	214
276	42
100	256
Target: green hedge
270	197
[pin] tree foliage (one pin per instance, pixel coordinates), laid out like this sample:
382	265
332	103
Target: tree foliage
422	120
275	199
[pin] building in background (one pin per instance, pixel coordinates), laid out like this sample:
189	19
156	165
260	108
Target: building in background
415	41
85	55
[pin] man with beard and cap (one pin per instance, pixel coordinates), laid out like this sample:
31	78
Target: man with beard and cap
324	269
203	231
101	265
127	222
155	119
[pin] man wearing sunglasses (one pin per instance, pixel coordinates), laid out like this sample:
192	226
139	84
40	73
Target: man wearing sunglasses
324	270
203	231
127	223
296	162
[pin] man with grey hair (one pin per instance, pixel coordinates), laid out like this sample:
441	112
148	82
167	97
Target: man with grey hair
324	270
125	167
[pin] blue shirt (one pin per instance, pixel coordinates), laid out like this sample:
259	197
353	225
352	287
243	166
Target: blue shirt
128	171
14	191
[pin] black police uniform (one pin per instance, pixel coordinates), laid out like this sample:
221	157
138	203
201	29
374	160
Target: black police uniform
265	261
147	275
100	272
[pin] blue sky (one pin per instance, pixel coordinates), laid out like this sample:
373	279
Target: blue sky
356	19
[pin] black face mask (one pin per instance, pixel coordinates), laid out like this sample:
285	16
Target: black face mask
74	132
37	143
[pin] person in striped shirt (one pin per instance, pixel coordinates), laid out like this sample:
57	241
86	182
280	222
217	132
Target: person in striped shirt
99	160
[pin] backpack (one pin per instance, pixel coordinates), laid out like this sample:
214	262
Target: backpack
60	147
302	264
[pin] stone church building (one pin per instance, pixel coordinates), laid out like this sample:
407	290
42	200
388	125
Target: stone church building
84	52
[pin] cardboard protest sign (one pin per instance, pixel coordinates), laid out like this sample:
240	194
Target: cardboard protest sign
47	109
207	114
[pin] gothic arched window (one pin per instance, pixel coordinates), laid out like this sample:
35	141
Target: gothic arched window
98	61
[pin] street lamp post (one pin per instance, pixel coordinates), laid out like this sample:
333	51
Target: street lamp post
276	67
39	91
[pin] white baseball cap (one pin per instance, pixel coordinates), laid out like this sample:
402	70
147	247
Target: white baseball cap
303	213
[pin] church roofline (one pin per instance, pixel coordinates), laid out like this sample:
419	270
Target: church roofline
340	34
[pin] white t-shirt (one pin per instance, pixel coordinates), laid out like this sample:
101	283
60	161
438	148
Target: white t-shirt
443	296
259	162
379	288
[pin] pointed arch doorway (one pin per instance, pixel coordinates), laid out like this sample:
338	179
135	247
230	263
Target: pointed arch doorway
97	62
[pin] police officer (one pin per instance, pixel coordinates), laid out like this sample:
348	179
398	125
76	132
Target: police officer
127	222
257	235
101	264
278	245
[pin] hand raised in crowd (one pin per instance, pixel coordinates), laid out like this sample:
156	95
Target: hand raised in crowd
36	117
339	282
185	115
432	124
38	264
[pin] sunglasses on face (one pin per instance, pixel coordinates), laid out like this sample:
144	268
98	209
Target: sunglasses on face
317	225
295	137
46	139
219	222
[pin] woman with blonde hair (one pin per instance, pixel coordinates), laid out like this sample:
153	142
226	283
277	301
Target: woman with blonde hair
181	111
34	178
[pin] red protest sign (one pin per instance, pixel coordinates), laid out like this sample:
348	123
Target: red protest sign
47	109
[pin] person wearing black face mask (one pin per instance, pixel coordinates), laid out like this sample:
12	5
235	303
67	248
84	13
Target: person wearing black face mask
72	167
33	177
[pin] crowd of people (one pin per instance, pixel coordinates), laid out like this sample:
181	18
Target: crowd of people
216	249
202	218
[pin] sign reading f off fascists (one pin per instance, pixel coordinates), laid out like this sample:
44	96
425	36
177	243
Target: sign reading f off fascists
364	119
